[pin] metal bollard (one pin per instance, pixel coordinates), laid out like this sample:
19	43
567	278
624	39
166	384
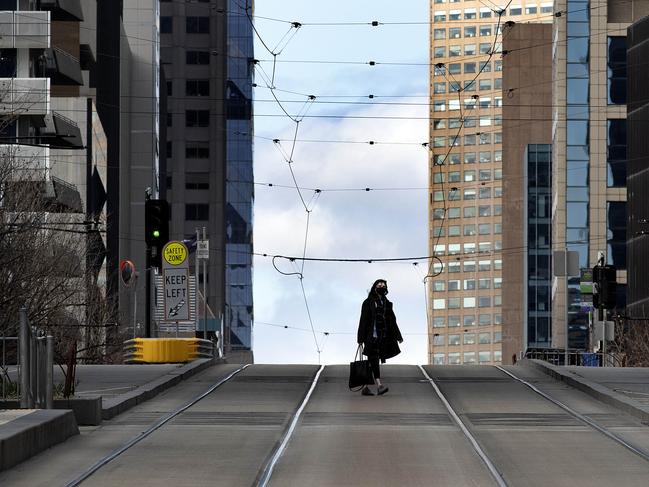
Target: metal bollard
25	389
49	373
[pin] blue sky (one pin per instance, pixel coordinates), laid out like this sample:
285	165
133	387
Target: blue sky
342	224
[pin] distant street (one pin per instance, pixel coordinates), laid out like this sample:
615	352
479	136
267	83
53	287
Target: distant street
405	438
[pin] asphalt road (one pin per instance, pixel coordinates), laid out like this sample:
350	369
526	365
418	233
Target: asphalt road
404	438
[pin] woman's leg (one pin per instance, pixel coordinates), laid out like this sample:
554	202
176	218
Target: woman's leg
376	369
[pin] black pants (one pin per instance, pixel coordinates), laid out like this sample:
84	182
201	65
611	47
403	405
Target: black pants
374	363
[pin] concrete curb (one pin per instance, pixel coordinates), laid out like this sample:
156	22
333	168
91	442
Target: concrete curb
32	433
598	391
117	405
87	410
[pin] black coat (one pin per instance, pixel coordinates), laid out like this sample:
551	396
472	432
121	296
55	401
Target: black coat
388	347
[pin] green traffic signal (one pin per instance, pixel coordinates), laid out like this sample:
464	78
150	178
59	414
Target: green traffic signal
156	233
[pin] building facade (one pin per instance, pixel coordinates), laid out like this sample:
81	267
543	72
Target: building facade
207	59
466	226
589	209
637	177
527	190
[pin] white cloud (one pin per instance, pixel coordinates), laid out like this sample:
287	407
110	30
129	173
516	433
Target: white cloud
375	224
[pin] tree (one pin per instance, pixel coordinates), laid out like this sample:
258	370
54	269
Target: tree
44	255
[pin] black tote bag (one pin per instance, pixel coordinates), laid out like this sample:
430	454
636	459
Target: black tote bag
360	372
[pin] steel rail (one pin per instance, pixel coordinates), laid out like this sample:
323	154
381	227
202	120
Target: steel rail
476	446
267	472
609	434
158	424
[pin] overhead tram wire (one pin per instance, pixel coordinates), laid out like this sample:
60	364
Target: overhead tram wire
270	81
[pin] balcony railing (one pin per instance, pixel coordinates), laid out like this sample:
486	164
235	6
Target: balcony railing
24	96
24	29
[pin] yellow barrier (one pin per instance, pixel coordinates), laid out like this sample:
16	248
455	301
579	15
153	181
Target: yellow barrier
166	350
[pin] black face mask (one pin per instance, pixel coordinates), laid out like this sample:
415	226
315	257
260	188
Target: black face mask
381	291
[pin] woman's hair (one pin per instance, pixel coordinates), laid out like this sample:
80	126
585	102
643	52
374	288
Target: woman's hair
373	289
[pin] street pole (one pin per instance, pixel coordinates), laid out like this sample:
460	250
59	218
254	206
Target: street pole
565	257
204	291
147	310
198	288
25	399
49	374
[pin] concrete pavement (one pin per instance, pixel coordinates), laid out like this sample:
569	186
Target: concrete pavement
344	439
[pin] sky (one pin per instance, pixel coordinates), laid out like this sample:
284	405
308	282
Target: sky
389	223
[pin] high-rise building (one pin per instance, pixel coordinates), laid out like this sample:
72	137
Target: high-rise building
207	56
589	159
465	290
637	176
527	189
52	137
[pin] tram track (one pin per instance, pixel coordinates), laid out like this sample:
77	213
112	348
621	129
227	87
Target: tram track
468	427
266	466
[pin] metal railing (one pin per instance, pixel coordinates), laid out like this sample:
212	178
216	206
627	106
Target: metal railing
575	357
35	366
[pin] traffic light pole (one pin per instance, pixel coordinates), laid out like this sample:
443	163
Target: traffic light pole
147	306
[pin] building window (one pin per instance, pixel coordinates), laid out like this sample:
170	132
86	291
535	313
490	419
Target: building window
440	52
439	340
195	212
439	34
169	152
616	233
484	338
166	25
197	118
468	302
197	150
197	87
453	303
484	301
469	358
453	285
470	31
484	319
197	180
439	322
617	70
197	25
469	320
170	88
469	211
485	30
469	338
454	340
616	153
197	57
484	283
453	321
484	357
454	33
454	358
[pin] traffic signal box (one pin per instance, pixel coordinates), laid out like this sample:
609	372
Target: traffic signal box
156	228
605	280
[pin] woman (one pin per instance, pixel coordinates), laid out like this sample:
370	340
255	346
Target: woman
378	332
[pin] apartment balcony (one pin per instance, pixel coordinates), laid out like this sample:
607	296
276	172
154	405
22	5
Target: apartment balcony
24	30
59	132
24	96
63	9
62	68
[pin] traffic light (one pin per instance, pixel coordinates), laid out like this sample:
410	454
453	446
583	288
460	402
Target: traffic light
606	285
156	223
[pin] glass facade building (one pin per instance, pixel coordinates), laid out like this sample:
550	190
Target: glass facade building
538	238
239	180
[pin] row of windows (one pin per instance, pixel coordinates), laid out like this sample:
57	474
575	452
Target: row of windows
467	194
486	30
486	12
469	103
193	118
469	68
457	50
469	121
467	339
454	321
469	157
470	266
193	25
469	231
470	139
469	176
468	284
483	84
193	150
454	358
453	267
193	87
466	303
469	248
193	180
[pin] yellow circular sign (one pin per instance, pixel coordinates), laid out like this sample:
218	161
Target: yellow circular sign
175	253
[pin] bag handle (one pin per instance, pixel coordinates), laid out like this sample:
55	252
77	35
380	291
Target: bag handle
359	352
